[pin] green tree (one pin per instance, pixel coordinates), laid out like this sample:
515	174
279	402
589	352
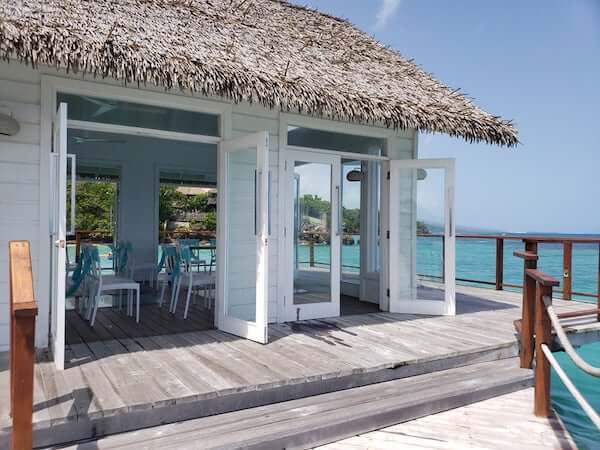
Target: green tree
314	206
351	220
95	202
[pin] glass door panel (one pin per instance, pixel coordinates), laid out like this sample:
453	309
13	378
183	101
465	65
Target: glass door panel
243	236
312	277
421	242
314	243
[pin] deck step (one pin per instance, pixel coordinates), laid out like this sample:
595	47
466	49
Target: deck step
325	418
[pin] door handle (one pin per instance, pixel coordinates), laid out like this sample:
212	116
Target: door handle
60	243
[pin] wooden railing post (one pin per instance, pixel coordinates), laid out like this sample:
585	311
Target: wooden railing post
543	335
499	264
567	264
23	310
311	253
528	304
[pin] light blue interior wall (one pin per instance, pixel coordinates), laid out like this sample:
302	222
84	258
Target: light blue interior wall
139	159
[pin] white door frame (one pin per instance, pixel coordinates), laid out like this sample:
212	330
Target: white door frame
397	303
58	234
50	86
254	330
291	311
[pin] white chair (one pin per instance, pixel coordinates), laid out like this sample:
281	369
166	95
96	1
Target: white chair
109	283
205	280
167	271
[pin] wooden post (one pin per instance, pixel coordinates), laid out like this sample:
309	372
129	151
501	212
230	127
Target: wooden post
528	308
543	335
23	309
567	264
311	253
499	263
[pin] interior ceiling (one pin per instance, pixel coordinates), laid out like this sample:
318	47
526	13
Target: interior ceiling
85	143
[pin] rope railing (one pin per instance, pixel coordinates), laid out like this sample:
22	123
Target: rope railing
587	408
538	320
564	341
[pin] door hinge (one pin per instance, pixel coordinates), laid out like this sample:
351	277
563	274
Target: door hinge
387	292
388	175
387	234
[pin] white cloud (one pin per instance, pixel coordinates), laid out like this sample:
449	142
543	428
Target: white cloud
386	10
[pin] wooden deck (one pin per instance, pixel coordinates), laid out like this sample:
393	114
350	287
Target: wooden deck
129	382
490	424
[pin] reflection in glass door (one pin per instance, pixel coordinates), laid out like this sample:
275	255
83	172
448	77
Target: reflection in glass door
314	182
421	245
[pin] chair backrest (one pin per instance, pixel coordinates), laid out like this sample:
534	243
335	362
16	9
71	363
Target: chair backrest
81	272
123	257
95	272
172	261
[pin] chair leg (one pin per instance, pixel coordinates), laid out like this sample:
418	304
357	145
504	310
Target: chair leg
175	296
187	301
162	293
96	301
137	303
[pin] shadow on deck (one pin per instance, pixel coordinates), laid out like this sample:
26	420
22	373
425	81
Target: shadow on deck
131	380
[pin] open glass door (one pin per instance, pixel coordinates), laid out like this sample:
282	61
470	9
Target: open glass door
58	211
421	237
313	235
243	229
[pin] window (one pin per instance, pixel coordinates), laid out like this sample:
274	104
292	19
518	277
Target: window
341	142
117	112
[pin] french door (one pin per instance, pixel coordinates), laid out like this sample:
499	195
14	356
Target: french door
58	232
313	234
243	236
422	237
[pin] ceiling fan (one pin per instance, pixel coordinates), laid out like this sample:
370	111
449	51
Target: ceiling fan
93	140
106	106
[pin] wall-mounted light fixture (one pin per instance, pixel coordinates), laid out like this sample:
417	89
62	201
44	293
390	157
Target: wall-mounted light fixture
8	124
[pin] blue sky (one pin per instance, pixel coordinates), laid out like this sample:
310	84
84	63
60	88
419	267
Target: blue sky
536	62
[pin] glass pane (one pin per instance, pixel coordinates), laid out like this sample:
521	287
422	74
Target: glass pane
116	112
342	142
312	232
422	222
352	176
241	248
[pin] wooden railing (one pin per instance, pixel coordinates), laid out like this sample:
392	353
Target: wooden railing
533	242
537	321
22	310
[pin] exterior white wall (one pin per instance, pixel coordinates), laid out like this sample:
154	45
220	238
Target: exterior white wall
24	178
20	183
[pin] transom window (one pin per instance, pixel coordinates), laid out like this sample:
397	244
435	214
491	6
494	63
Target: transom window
329	140
117	112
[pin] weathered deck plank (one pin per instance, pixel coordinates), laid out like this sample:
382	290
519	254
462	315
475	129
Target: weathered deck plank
136	379
489	424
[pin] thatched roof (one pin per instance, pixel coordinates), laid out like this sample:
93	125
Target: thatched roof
263	51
